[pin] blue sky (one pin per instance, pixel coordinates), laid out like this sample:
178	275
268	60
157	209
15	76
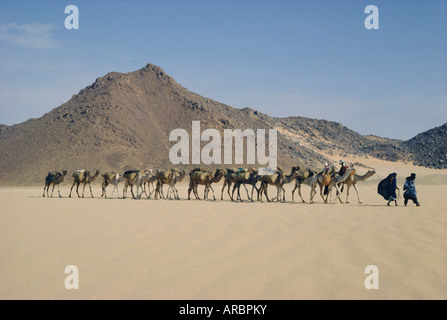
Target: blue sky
284	58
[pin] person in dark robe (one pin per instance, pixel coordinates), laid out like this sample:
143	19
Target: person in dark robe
343	168
410	190
387	188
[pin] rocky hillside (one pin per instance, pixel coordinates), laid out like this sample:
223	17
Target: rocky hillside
123	121
429	148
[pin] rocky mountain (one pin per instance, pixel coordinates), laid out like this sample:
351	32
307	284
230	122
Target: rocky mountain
429	148
123	121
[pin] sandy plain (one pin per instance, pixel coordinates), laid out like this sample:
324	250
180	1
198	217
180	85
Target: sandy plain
148	249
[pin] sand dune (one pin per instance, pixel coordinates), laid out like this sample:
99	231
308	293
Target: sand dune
183	249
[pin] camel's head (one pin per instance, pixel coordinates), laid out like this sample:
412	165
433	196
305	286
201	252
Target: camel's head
295	169
219	172
64	173
97	173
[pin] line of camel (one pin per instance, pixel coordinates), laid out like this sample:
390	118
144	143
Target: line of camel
148	180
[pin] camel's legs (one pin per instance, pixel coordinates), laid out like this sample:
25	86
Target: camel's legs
153	189
72	189
77	189
104	186
131	191
313	192
176	191
206	192
293	191
246	190
266	192
299	193
338	193
83	190
228	190
358	195
239	191
126	185
115	187
52	190
260	190
253	187
196	191
91	192
117	191
223	188
138	191
191	187
145	190
211	188
235	186
321	193
59	190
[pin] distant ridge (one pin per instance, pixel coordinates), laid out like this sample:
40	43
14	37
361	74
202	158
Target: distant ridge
429	148
123	120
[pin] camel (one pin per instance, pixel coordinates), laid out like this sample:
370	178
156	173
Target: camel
169	177
252	180
233	176
352	181
111	178
307	177
83	177
278	180
148	181
206	178
135	178
331	180
54	178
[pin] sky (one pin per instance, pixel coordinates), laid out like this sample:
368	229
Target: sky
284	58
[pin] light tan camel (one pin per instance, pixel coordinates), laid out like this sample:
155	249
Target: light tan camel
169	177
234	176
252	180
148	181
54	178
330	180
83	177
278	180
113	179
134	178
309	178
352	181
202	177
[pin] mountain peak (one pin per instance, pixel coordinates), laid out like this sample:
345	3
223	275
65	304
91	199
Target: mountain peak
152	68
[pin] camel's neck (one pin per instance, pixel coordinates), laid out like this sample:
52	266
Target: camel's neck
365	176
289	178
217	179
94	177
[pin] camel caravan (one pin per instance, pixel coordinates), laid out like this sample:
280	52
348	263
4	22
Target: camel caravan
151	183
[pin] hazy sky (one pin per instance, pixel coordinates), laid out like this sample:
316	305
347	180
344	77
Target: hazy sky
284	58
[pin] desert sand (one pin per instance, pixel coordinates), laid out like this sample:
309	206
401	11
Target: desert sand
148	249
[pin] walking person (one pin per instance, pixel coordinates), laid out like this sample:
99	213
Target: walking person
387	188
410	190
